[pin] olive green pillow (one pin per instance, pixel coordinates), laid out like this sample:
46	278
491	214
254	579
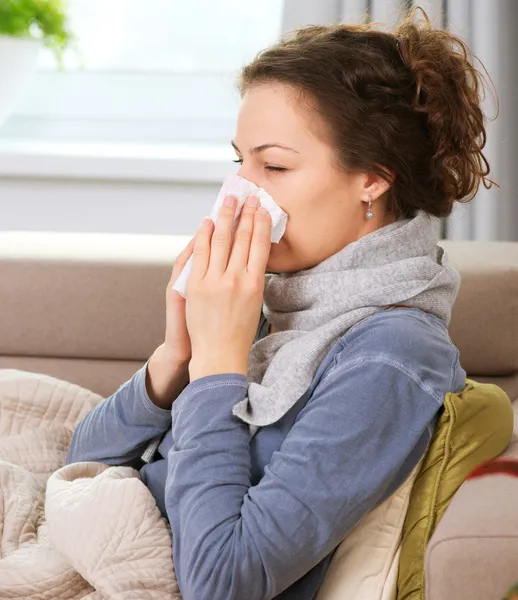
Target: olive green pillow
475	425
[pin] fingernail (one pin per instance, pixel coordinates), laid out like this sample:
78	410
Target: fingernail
206	221
262	211
230	201
252	201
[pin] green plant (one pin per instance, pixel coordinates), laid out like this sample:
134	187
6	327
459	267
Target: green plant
44	19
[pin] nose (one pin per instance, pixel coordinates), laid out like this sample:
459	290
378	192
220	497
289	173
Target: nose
247	172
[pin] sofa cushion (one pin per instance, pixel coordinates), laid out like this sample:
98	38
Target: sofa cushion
474	552
475	425
484	323
101	296
78	295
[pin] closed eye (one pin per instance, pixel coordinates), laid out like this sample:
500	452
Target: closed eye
267	167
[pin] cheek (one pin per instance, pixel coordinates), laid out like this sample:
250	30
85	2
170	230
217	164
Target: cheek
308	210
317	223
295	192
314	204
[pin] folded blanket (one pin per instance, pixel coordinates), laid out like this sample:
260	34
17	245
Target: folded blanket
84	530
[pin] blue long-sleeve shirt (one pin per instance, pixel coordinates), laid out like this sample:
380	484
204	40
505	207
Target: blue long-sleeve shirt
260	519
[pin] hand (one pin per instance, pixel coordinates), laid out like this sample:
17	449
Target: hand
177	342
168	368
225	289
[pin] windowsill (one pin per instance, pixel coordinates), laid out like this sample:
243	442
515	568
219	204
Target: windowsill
109	161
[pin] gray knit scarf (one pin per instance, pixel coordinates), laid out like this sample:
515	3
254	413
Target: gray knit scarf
312	309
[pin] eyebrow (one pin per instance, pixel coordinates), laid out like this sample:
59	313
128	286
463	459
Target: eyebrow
263	147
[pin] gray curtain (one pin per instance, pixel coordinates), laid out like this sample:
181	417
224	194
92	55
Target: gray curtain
489	26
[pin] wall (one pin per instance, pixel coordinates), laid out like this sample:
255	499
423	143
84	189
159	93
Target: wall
104	206
36	198
63	186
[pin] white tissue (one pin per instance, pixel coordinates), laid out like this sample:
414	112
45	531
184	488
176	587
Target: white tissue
241	188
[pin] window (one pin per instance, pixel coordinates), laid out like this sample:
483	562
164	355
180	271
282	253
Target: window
161	71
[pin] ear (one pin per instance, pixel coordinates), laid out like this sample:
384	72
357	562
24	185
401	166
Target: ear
374	186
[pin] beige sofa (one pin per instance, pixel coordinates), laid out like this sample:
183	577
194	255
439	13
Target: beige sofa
89	308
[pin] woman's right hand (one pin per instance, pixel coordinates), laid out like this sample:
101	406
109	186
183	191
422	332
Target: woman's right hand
168	368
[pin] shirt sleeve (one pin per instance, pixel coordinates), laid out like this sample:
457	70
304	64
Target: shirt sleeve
232	540
117	431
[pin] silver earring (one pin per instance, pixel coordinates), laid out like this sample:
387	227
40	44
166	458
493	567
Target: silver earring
370	213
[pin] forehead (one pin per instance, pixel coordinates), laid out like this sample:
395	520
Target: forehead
273	110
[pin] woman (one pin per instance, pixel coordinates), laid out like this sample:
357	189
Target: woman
364	139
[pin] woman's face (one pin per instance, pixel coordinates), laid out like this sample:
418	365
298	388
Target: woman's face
280	152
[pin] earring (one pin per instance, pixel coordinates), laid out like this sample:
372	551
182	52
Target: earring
370	213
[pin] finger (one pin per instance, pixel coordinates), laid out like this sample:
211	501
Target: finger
201	250
261	242
222	237
241	246
182	258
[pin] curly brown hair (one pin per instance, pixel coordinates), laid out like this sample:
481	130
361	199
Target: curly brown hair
406	106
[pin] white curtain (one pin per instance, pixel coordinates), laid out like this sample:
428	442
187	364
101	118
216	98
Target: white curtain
489	27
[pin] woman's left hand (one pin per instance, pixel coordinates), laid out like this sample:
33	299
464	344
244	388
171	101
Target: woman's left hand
225	289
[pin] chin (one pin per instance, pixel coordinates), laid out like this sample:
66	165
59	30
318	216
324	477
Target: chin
283	260
276	259
279	260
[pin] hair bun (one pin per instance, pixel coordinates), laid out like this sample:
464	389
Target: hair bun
448	90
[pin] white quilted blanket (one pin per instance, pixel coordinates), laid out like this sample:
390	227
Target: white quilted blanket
85	530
